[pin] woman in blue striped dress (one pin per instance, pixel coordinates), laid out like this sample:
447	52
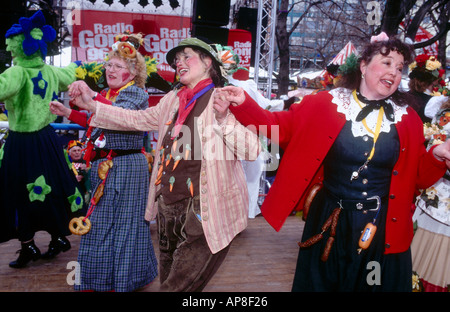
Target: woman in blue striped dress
117	253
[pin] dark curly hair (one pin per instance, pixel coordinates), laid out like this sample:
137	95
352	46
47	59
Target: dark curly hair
352	79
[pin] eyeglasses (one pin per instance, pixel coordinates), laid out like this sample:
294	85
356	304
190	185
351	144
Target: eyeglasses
116	67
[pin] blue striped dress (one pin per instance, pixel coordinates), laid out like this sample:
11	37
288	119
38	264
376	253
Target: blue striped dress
117	254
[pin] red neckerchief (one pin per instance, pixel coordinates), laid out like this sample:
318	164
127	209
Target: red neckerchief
108	98
185	95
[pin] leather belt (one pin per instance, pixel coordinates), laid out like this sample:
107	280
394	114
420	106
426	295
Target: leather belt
372	203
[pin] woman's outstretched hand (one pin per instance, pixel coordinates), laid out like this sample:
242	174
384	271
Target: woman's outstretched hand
225	97
442	152
81	95
79	87
59	109
235	95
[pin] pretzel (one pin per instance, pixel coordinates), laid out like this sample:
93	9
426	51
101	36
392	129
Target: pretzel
103	168
79	226
149	158
98	193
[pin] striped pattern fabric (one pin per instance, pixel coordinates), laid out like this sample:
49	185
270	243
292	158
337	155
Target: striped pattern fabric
223	193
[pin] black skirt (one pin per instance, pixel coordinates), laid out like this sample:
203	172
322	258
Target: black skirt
346	269
37	189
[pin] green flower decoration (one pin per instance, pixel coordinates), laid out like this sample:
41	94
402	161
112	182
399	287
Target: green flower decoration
66	157
350	65
76	201
2	152
38	189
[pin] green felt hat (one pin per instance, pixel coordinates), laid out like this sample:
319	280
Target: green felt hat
192	43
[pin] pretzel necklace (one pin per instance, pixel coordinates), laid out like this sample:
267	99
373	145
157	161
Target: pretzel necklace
82	225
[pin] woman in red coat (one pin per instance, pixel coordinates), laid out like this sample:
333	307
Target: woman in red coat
363	145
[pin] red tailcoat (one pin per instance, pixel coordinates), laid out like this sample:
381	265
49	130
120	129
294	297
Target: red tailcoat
308	130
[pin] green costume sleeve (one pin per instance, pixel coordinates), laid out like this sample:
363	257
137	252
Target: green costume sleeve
65	75
11	82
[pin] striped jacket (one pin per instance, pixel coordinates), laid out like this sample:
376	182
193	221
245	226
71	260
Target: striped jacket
223	190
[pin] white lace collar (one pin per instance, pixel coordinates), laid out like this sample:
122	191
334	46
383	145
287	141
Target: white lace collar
347	105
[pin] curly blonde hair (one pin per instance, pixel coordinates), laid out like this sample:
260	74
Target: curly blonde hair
136	66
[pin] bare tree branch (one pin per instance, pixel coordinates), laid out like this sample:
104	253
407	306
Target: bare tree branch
297	22
418	18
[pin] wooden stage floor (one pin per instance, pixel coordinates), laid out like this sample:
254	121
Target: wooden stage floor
260	260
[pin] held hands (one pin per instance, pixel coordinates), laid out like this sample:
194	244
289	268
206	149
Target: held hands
234	95
81	95
59	109
78	88
442	152
223	98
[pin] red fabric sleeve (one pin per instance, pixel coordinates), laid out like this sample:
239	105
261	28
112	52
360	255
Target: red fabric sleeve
79	118
100	98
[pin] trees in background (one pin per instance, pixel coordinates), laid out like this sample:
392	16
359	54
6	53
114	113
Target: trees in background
357	20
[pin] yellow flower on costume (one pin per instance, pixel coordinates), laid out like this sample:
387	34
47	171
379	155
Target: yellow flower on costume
431	192
433	64
150	64
91	69
80	73
425	65
416	283
429	130
436	93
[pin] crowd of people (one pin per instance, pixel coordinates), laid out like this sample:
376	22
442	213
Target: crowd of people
357	151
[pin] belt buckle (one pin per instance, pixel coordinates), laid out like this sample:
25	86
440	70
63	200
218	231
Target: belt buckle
360	206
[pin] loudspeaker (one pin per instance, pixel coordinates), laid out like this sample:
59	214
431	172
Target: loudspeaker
248	20
210	12
210	34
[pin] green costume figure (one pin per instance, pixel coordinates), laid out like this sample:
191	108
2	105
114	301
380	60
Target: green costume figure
37	190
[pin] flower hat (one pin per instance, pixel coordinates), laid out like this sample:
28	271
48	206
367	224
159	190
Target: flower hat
426	67
229	59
